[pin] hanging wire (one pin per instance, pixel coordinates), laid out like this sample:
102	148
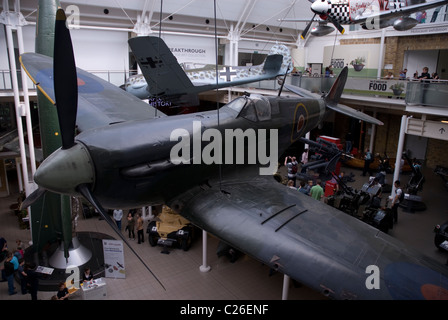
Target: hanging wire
172	14
121	7
274	34
217	91
158	50
334	45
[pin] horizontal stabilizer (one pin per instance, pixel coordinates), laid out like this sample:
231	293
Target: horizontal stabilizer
354	113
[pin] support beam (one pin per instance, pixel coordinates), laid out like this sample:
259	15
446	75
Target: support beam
404	122
285	291
204	267
372	134
381	55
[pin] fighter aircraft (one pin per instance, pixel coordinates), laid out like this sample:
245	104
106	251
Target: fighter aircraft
164	78
371	14
192	163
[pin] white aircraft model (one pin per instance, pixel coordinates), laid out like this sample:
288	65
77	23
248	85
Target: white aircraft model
370	14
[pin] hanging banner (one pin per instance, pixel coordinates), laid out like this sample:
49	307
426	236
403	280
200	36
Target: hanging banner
114	259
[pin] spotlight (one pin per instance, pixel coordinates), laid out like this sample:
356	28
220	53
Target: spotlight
106	11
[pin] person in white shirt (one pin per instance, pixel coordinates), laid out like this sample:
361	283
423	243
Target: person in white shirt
118	215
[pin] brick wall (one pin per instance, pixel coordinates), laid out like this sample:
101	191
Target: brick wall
395	47
386	138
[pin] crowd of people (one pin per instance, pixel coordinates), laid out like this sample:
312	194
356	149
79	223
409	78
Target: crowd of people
13	265
15	270
424	75
315	189
134	221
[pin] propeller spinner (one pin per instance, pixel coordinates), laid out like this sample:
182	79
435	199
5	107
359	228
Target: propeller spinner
321	8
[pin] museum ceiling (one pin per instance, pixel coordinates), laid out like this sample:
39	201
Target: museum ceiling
256	19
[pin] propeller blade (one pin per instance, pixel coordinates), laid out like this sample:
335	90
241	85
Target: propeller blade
307	28
337	25
85	191
65	81
33	197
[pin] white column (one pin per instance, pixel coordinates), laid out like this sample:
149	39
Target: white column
381	55
307	136
404	123
29	126
204	267
285	291
18	106
372	135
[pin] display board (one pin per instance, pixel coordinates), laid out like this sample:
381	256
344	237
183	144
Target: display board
114	259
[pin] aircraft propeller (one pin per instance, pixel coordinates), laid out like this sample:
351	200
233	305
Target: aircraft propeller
307	28
321	8
66	98
337	25
65	81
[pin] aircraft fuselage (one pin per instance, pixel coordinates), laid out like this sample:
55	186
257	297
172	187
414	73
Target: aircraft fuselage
133	161
346	11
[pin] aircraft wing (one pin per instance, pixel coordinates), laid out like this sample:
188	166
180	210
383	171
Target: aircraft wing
100	103
165	76
314	243
396	13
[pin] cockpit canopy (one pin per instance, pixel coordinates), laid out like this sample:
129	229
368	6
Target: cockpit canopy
253	108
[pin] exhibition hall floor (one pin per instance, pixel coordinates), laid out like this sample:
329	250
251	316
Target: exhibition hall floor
245	279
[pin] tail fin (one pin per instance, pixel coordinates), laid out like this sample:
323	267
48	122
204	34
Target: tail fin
286	53
333	96
159	66
273	64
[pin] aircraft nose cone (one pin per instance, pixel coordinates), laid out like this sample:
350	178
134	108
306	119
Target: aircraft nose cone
319	7
65	169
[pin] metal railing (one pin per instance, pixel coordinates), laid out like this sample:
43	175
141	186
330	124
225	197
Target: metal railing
414	92
428	93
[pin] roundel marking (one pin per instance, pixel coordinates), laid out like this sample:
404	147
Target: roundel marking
299	122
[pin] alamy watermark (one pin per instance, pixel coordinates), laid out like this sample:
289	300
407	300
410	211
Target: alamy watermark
228	149
73	17
73	278
373	280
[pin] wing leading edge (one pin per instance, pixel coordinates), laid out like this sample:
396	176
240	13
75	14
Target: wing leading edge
317	245
100	103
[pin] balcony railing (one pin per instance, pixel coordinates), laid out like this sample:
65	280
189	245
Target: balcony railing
414	92
431	93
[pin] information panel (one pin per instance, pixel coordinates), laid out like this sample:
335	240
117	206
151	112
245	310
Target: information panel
114	259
